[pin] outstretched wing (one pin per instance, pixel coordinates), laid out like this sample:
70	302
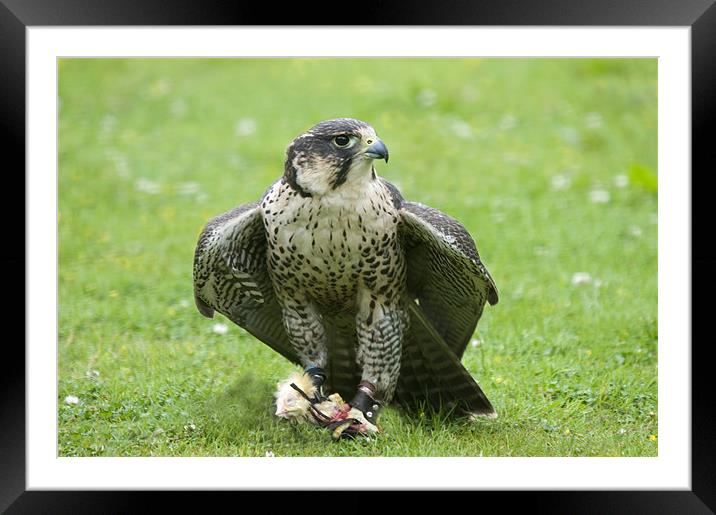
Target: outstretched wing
447	289
445	273
230	276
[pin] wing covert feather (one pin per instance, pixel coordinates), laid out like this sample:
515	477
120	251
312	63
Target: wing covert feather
230	276
445	273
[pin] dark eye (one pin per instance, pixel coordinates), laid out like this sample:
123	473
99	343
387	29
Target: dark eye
341	140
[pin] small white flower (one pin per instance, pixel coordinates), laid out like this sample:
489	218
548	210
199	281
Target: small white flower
121	163
146	186
518	292
71	399
220	328
622	430
599	196
236	161
475	342
245	127
107	125
469	94
621	181
188	188
570	135
499	217
560	182
160	88
581	278
269	454
427	98
593	120
507	122
178	108
461	128
184	303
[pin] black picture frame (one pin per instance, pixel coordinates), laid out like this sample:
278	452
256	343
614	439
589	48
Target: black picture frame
699	15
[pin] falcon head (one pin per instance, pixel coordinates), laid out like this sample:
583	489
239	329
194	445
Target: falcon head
331	155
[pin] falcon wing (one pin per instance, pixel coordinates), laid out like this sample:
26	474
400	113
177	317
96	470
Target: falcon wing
445	273
230	276
447	287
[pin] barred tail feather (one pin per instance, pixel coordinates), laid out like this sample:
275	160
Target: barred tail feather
343	374
432	374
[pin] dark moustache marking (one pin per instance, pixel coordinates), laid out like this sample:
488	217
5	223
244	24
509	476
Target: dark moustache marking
290	172
342	174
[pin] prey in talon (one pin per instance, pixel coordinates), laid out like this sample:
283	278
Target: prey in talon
373	296
298	398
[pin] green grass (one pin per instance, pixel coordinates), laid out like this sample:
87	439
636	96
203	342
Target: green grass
550	164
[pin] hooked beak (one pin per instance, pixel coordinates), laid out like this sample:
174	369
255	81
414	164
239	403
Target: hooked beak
377	150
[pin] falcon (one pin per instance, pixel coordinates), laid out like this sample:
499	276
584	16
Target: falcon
375	297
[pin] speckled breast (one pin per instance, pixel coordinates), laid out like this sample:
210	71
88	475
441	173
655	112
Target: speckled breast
326	249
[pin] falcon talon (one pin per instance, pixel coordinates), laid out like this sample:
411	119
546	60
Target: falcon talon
342	430
350	428
318	377
333	266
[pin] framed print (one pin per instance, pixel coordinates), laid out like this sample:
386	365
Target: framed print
560	140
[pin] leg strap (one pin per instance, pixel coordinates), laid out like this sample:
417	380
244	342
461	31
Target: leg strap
365	401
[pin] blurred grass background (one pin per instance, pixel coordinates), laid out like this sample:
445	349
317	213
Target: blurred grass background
549	163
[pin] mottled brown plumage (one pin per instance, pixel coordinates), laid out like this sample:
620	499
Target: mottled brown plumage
334	269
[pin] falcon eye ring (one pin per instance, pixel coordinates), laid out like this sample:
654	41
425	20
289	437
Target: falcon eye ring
342	140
